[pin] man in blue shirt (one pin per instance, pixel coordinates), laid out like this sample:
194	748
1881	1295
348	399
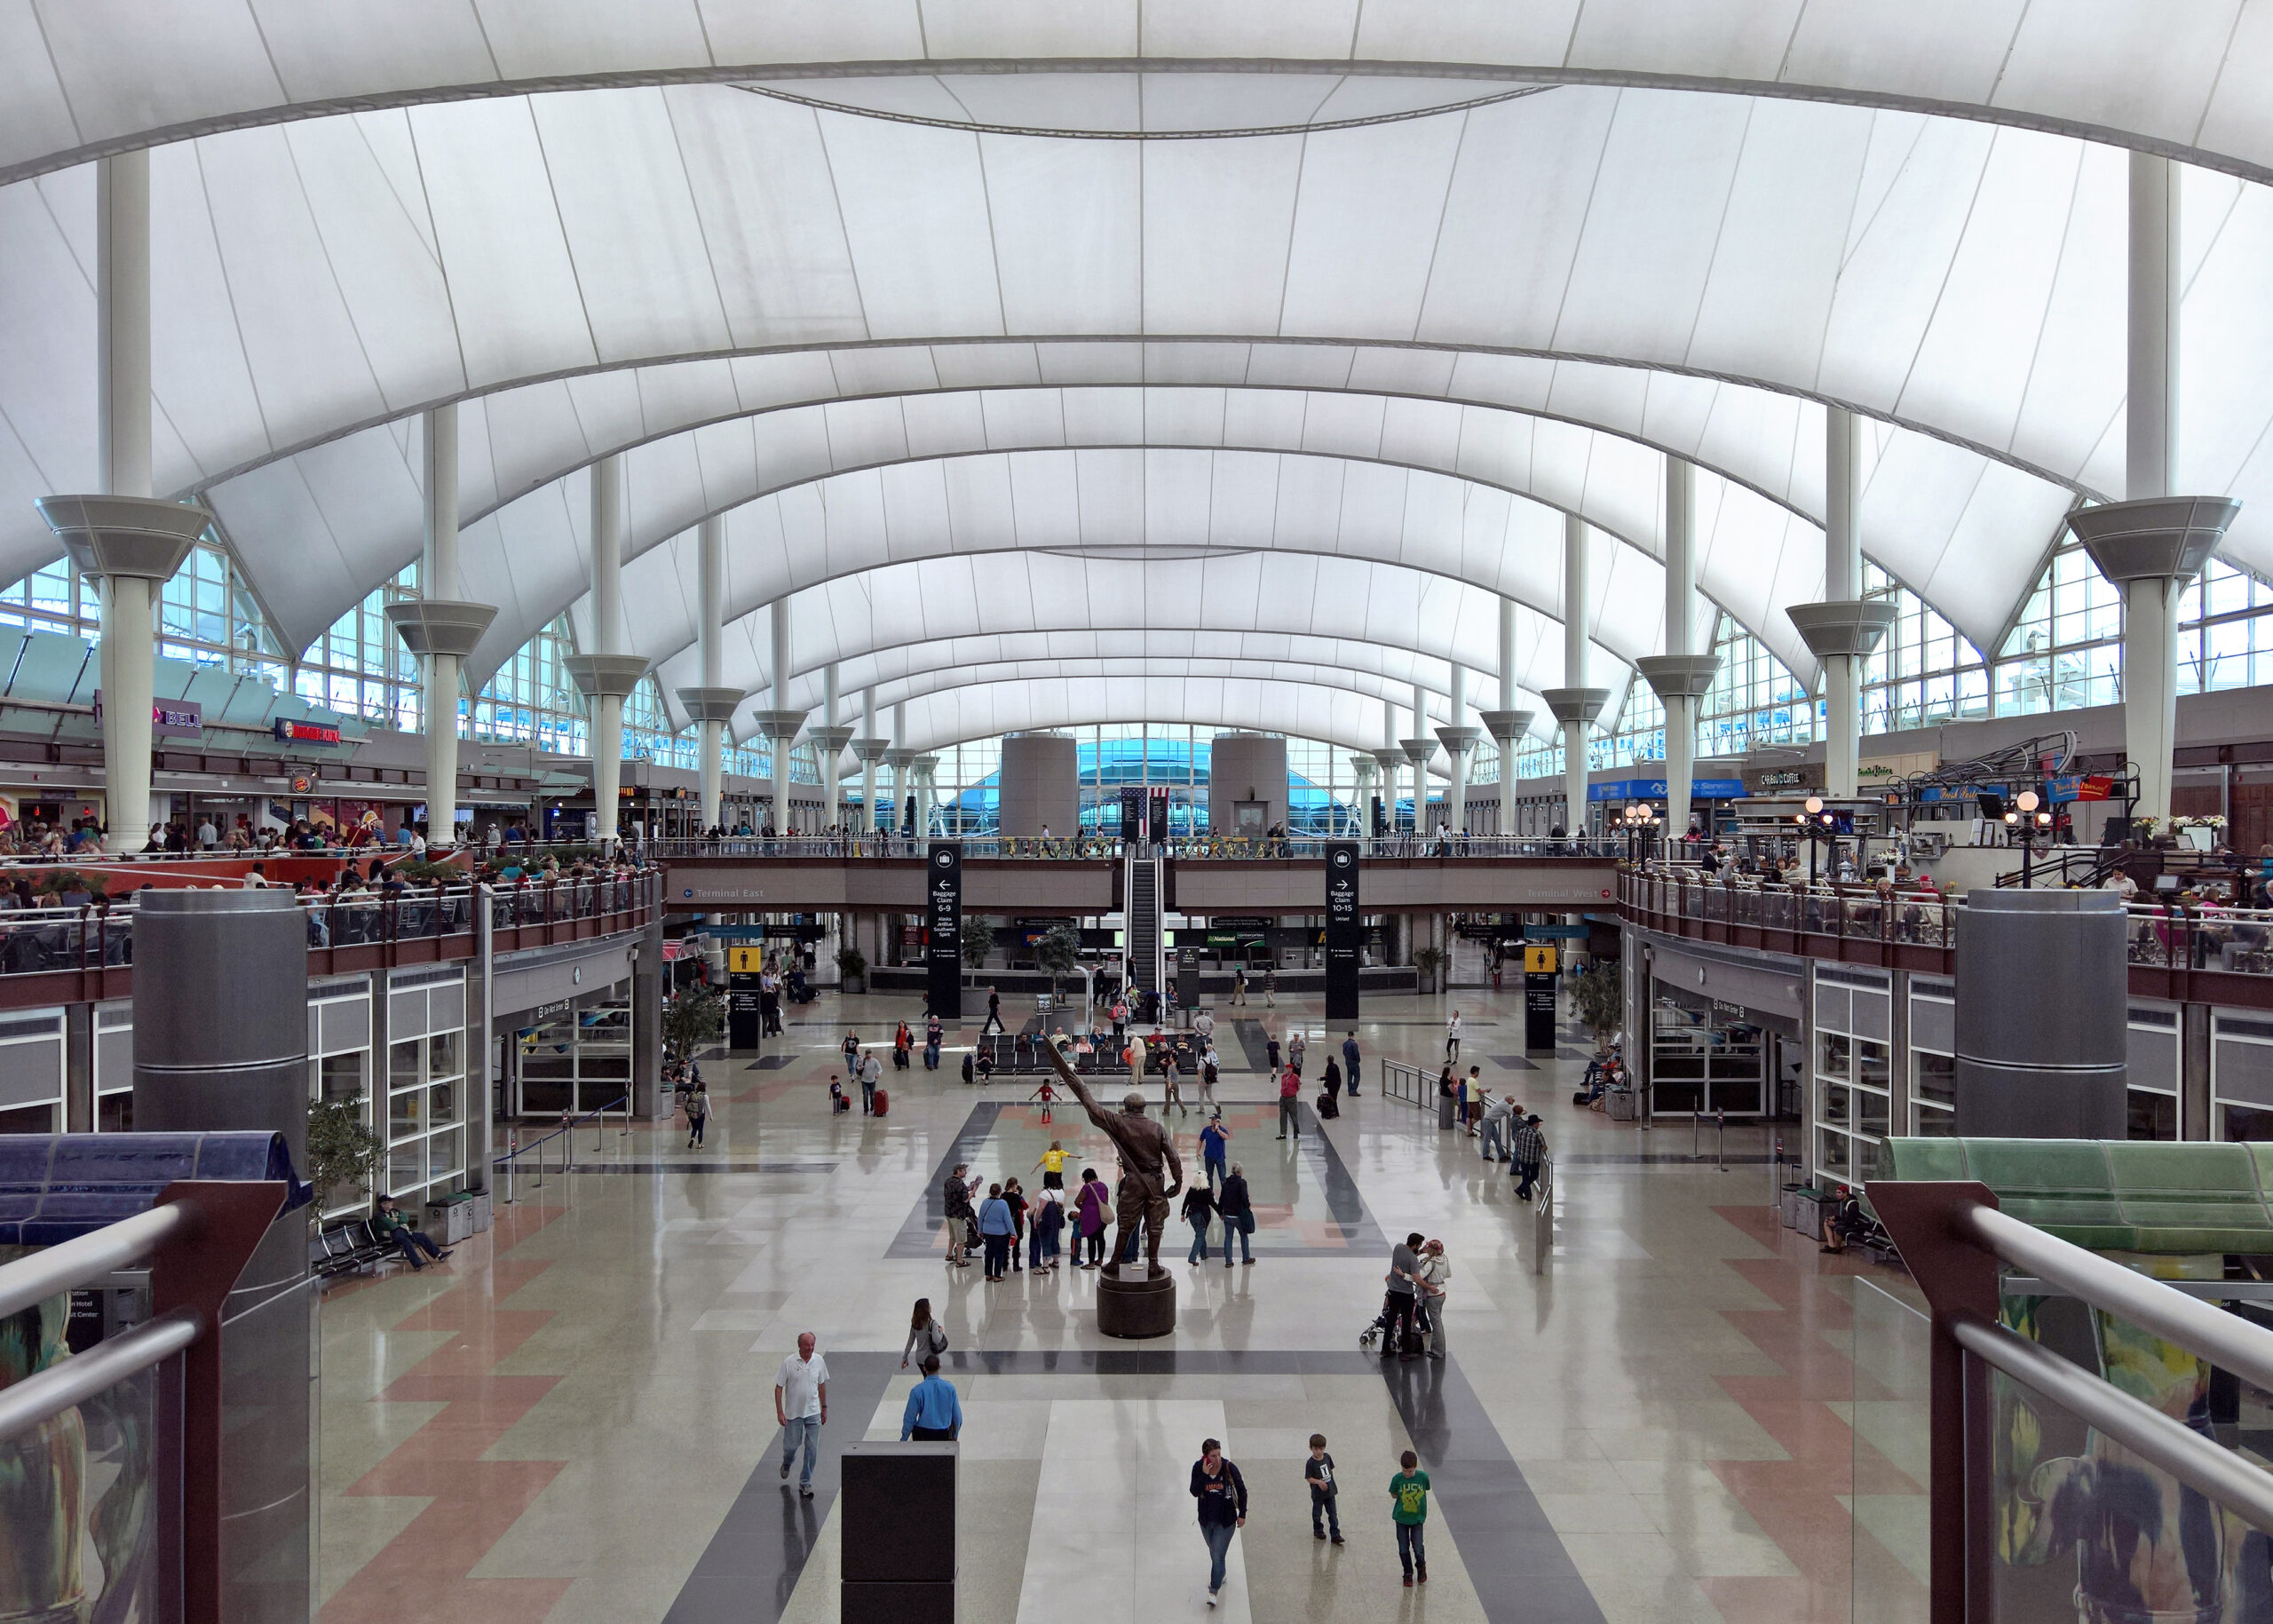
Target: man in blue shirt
933	1411
1215	1143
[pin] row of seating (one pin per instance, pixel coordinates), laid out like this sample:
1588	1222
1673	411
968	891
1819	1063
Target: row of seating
347	1248
2116	1195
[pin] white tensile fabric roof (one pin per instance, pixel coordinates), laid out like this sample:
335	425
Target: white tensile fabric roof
1455	269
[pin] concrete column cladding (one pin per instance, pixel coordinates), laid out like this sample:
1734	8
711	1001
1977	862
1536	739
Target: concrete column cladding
1245	767
2042	995
1041	784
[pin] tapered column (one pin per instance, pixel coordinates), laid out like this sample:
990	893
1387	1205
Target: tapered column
1575	704
1507	725
1842	629
1361	769
1390	758
869	749
127	545
2152	543
1681	677
828	741
1419	749
440	627
712	704
781	724
1458	738
607	675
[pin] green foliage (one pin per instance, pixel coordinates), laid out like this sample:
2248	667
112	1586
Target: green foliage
978	942
692	1018
61	882
851	963
343	1152
1429	961
1057	952
1599	996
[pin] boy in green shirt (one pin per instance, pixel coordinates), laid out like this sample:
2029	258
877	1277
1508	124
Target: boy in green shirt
1408	1493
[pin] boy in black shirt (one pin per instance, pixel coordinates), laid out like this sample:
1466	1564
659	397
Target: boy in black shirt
1318	1472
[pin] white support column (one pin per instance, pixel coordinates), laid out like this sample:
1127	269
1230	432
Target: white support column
712	704
897	757
1458	738
1575	704
1842	629
607	676
1391	759
828	741
1508	726
870	749
438	577
1419	747
781	724
1681	677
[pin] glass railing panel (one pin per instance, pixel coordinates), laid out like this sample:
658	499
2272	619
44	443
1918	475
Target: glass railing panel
1889	1423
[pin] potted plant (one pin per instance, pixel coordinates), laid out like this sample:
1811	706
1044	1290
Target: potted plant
978	942
1426	963
851	970
1057	952
343	1153
1598	995
692	1019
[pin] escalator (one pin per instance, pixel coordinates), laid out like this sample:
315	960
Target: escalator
1146	938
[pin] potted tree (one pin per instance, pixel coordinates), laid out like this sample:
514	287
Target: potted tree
1057	952
1427	962
692	1019
851	970
978	942
1598	995
343	1153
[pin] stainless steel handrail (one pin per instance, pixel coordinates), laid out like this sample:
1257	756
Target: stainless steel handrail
56	1269
2194	1460
2229	1342
48	1393
1542	1217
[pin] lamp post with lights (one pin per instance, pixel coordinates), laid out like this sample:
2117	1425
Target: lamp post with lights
1640	820
2028	817
1818	824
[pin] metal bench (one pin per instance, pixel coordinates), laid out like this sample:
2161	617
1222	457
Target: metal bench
347	1248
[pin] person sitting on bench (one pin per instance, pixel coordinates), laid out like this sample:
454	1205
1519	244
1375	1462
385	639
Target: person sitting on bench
1847	1225
390	1223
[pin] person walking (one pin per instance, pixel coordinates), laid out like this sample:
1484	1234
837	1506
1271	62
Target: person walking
1398	1303
932	1035
1239	1215
1435	1274
993	1013
1331	1080
1239	983
1297	1046
1271	986
865	1071
1452	1037
1290	1089
1172	1069
996	1229
1271	1051
1204	1023
960	1217
1089	1210
1530	1150
1199	1207
1408	1495
1222	1494
698	1113
933	1411
1349	1060
1317	1471
927	1338
1210	1070
1215	1146
852	1047
801	1405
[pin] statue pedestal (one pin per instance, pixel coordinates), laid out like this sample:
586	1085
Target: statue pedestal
1134	1306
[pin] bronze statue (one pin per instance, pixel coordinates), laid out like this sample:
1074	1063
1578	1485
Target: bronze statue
1144	1145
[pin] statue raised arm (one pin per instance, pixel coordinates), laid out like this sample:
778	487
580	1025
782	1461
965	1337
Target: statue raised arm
1151	1170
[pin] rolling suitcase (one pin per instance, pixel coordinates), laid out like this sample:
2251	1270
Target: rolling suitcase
883	1102
1328	1107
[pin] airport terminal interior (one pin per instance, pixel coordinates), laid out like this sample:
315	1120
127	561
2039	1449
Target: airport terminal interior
729	728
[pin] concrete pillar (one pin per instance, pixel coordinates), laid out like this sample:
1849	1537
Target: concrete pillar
712	703
781	724
1681	677
2042	989
1842	629
221	1043
1507	725
828	742
1458	740
1391	758
898	758
127	545
607	676
870	749
1575	704
649	979
1361	769
2153	543
1419	748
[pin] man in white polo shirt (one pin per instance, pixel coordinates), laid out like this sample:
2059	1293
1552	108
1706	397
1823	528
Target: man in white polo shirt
801	1405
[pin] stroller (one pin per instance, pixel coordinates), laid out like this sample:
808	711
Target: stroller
1370	1337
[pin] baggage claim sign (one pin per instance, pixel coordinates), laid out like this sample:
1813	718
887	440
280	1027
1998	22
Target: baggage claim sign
943	956
1345	934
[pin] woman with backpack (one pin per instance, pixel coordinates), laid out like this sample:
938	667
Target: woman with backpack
1090	1207
927	1338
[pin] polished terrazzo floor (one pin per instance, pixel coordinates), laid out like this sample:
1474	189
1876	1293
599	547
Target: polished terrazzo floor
572	1419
